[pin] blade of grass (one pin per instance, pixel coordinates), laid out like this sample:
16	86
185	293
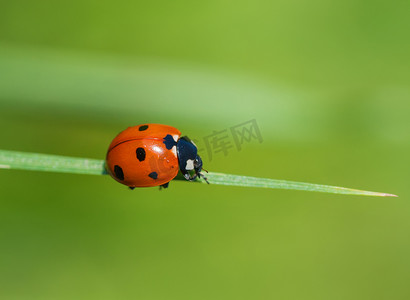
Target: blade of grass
50	163
65	164
238	180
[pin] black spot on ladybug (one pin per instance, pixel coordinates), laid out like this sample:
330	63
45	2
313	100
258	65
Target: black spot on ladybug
118	172
140	154
153	175
169	141
143	127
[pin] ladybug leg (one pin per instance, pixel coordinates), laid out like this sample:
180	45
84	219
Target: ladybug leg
131	187
202	175
165	185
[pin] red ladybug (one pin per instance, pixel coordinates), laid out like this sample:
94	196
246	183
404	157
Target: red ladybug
151	155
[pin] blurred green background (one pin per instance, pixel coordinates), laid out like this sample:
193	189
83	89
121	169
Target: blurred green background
326	81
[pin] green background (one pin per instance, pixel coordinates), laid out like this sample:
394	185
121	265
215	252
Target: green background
326	81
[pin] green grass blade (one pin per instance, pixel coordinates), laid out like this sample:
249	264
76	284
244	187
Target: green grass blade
50	163
65	164
238	180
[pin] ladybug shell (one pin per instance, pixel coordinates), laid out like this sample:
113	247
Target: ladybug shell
138	156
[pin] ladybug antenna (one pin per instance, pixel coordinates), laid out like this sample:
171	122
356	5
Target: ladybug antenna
205	170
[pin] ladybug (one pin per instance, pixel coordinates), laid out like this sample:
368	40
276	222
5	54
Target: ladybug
152	155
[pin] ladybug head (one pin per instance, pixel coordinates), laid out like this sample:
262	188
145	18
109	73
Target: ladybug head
190	163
